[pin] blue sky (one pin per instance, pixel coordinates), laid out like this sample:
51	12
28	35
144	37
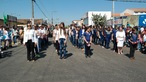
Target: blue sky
63	10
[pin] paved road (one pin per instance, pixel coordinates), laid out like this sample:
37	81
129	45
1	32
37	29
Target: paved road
103	66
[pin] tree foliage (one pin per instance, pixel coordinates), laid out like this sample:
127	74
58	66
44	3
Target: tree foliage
99	20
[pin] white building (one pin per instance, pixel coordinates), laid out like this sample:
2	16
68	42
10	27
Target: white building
78	22
134	11
87	19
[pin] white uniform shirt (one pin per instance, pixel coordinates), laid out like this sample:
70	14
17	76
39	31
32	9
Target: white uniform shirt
56	34
61	34
30	35
42	33
120	35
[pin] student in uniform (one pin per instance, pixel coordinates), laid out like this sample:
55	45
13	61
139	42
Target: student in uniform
30	42
88	41
1	36
56	37
62	41
133	43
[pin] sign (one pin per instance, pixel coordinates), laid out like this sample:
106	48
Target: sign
142	20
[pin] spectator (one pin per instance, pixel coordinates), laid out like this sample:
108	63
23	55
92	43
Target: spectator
120	38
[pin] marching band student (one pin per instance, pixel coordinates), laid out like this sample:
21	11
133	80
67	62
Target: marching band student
30	42
62	40
88	41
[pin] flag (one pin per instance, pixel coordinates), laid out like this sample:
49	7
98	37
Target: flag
5	19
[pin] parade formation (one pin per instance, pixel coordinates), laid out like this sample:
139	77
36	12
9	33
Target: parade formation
102	46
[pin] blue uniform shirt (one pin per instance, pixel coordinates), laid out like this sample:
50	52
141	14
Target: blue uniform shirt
87	36
134	37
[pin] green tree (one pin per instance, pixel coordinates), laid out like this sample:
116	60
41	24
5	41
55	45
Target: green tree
99	20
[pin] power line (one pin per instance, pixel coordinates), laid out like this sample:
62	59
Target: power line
40	9
42	5
138	1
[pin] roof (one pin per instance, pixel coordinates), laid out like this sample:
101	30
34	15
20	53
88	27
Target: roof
24	21
138	9
116	14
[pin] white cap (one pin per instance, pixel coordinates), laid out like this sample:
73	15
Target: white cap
142	29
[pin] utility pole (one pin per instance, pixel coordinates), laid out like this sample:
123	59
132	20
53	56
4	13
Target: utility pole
113	13
32	20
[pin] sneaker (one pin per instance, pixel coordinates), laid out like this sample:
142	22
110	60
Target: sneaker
121	53
33	60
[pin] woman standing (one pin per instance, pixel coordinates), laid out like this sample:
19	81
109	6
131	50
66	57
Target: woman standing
30	42
88	41
108	34
21	33
6	38
37	35
120	38
133	43
62	40
56	37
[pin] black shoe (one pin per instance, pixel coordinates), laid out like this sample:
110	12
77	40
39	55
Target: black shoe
61	57
65	57
86	56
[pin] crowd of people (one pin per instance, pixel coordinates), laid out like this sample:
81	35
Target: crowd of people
9	37
133	37
35	38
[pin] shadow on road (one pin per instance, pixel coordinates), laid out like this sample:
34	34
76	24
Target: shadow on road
68	55
40	55
91	52
6	54
128	55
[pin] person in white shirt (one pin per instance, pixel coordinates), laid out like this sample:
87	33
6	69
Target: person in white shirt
41	38
37	34
56	37
62	40
30	42
6	37
120	38
1	36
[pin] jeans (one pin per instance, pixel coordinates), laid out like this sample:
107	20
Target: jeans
115	44
15	39
107	43
102	41
80	41
40	43
74	41
62	47
139	46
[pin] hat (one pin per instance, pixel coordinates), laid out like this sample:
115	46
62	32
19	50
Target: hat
142	29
